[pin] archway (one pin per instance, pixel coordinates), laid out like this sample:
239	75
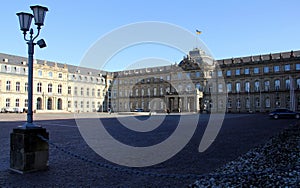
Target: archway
49	104
59	104
39	103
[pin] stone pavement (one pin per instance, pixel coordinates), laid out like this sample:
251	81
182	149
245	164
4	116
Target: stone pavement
239	134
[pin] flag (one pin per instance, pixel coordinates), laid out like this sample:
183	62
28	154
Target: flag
198	32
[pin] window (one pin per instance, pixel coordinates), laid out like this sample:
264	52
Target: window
50	74
257	103
26	103
17	102
75	104
69	90
256	86
267	85
188	87
238	72
277	85
268	102
287	67
298	66
220	74
228	73
98	92
298	83
59	89
247	87
198	74
40	73
26	87
87	104
161	91
75	90
229	103
287	84
49	88
93	104
148	91
247	103
238	103
136	92
229	87
17	86
39	87
81	91
69	104
188	75
87	91
256	70
59	75
266	70
7	102
238	87
8	68
220	88
81	104
93	92
7	85
198	86
154	91
247	71
276	68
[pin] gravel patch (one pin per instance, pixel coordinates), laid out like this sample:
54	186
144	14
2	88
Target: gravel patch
274	164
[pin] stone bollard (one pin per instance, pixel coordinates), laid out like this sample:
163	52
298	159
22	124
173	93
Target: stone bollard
28	152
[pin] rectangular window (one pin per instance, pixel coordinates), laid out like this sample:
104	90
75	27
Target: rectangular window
298	66
220	74
276	68
256	70
237	72
228	73
220	88
26	87
17	86
7	85
69	104
287	67
98	92
69	90
26	103
266	70
229	87
17	102
247	71
238	87
7	102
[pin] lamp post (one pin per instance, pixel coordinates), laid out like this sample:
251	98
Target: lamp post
39	13
29	152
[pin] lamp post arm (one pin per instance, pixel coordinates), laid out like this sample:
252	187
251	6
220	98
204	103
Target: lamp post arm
38	28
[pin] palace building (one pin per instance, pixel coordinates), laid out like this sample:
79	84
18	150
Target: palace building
197	84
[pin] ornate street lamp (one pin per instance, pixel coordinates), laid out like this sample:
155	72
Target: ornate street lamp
39	13
29	151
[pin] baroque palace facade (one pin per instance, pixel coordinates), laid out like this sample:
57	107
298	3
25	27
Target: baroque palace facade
198	83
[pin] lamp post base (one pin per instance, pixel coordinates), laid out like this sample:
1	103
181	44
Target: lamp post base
28	152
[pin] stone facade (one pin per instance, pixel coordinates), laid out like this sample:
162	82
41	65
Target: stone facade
198	83
56	87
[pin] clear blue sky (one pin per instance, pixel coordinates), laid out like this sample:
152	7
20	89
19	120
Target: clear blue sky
230	28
